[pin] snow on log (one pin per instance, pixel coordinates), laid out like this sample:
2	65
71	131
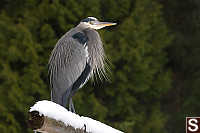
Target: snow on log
49	117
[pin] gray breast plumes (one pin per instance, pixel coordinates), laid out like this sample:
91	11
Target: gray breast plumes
97	57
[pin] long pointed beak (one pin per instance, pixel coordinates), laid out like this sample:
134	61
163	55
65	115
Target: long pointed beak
104	24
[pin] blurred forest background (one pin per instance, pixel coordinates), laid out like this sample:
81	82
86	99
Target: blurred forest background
154	53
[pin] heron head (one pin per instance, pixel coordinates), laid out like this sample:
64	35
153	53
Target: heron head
93	23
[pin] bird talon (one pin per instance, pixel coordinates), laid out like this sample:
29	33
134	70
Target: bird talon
84	128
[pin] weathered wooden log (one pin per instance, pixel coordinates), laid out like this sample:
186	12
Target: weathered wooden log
49	117
41	123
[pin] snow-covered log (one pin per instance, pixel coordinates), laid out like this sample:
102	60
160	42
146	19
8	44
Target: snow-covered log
49	117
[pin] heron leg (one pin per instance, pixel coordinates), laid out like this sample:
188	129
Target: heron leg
66	97
71	105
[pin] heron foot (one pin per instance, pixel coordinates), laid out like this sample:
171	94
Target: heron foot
84	128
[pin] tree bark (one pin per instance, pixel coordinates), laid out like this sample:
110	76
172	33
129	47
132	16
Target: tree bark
49	117
41	123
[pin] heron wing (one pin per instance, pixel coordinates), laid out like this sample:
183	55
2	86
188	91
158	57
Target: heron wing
67	62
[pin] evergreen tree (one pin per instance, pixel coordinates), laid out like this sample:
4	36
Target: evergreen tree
137	51
136	48
184	54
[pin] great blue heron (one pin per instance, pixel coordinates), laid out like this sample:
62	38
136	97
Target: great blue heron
77	56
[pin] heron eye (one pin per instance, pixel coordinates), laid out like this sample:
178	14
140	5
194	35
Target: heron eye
91	22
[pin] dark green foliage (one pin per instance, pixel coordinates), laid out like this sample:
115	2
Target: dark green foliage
136	48
139	78
183	19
